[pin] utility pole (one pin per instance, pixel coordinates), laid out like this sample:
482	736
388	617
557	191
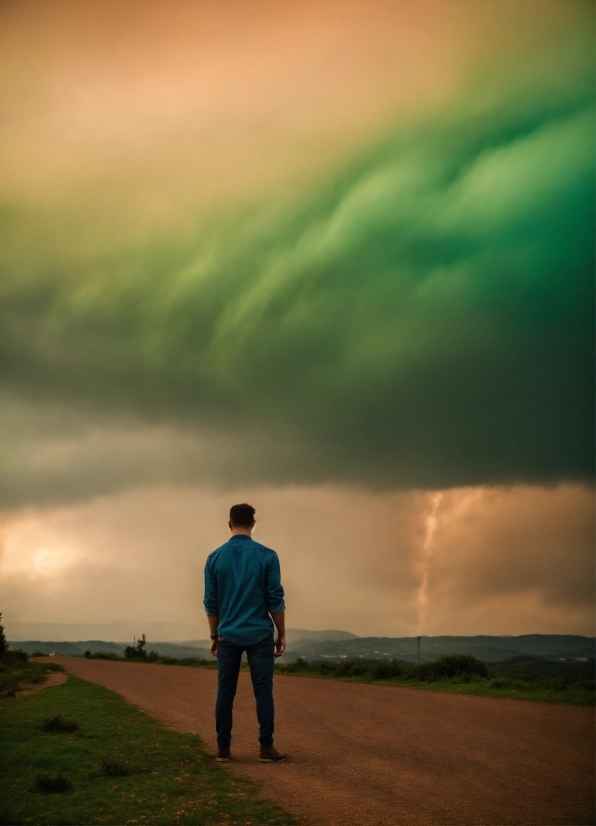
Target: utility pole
418	650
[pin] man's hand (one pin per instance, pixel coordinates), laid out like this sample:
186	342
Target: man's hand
213	647
280	645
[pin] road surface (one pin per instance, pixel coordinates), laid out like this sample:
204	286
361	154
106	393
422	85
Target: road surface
369	755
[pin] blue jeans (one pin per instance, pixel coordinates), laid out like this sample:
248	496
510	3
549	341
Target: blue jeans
261	660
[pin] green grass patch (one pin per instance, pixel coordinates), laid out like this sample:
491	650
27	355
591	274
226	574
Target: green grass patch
119	766
16	671
459	674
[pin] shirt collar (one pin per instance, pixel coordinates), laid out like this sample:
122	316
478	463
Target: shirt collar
240	536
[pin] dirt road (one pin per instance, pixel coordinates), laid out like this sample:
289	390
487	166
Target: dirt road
367	755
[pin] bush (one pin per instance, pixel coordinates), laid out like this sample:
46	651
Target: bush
101	655
52	667
349	668
53	783
87	654
384	670
15	656
136	652
60	724
448	667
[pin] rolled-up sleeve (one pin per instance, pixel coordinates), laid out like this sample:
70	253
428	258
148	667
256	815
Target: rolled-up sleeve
274	593
211	599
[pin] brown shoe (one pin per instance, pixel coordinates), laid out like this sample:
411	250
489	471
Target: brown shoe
271	756
223	755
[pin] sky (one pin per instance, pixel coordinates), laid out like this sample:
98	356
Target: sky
334	259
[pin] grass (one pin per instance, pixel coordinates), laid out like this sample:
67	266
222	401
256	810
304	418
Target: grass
118	767
16	671
576	688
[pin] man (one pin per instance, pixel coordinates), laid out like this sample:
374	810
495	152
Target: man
243	593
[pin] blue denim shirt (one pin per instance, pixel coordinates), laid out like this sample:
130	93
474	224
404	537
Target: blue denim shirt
243	586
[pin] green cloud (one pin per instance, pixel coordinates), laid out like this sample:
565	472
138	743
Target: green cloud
425	318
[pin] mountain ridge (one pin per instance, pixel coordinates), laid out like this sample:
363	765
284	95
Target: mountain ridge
553	647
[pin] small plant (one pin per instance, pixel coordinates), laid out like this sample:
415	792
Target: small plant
87	654
53	783
60	724
115	768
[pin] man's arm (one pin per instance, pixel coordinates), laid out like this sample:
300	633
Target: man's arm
280	640
211	603
275	602
213	620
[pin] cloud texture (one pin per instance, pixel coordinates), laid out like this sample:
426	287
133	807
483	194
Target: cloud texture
420	316
350	559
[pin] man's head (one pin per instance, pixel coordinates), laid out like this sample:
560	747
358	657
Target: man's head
242	518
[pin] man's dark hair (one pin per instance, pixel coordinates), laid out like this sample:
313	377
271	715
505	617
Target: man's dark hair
242	516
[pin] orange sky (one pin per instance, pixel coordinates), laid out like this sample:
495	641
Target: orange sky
127	123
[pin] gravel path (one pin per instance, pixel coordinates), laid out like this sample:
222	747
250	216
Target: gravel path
368	755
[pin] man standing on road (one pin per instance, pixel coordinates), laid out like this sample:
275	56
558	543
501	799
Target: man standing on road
243	593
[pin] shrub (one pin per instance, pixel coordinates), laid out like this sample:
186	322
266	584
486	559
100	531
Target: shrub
384	670
60	724
349	668
53	783
449	666
136	652
15	656
87	654
500	682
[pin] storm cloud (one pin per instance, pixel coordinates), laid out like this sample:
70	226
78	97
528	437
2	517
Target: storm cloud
419	315
334	259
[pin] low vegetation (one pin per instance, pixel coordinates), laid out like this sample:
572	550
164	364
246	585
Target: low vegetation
541	680
118	766
461	673
150	657
17	671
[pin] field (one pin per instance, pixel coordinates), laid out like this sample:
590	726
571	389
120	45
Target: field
116	765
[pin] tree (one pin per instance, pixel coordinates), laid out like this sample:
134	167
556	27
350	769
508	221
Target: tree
136	652
3	640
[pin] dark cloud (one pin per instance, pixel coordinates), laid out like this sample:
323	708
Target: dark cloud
422	319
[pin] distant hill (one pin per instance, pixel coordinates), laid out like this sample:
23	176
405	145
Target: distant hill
123	632
336	645
294	635
187	648
77	649
491	649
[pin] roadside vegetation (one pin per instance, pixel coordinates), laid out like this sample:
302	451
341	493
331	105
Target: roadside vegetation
77	753
17	671
531	678
461	673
